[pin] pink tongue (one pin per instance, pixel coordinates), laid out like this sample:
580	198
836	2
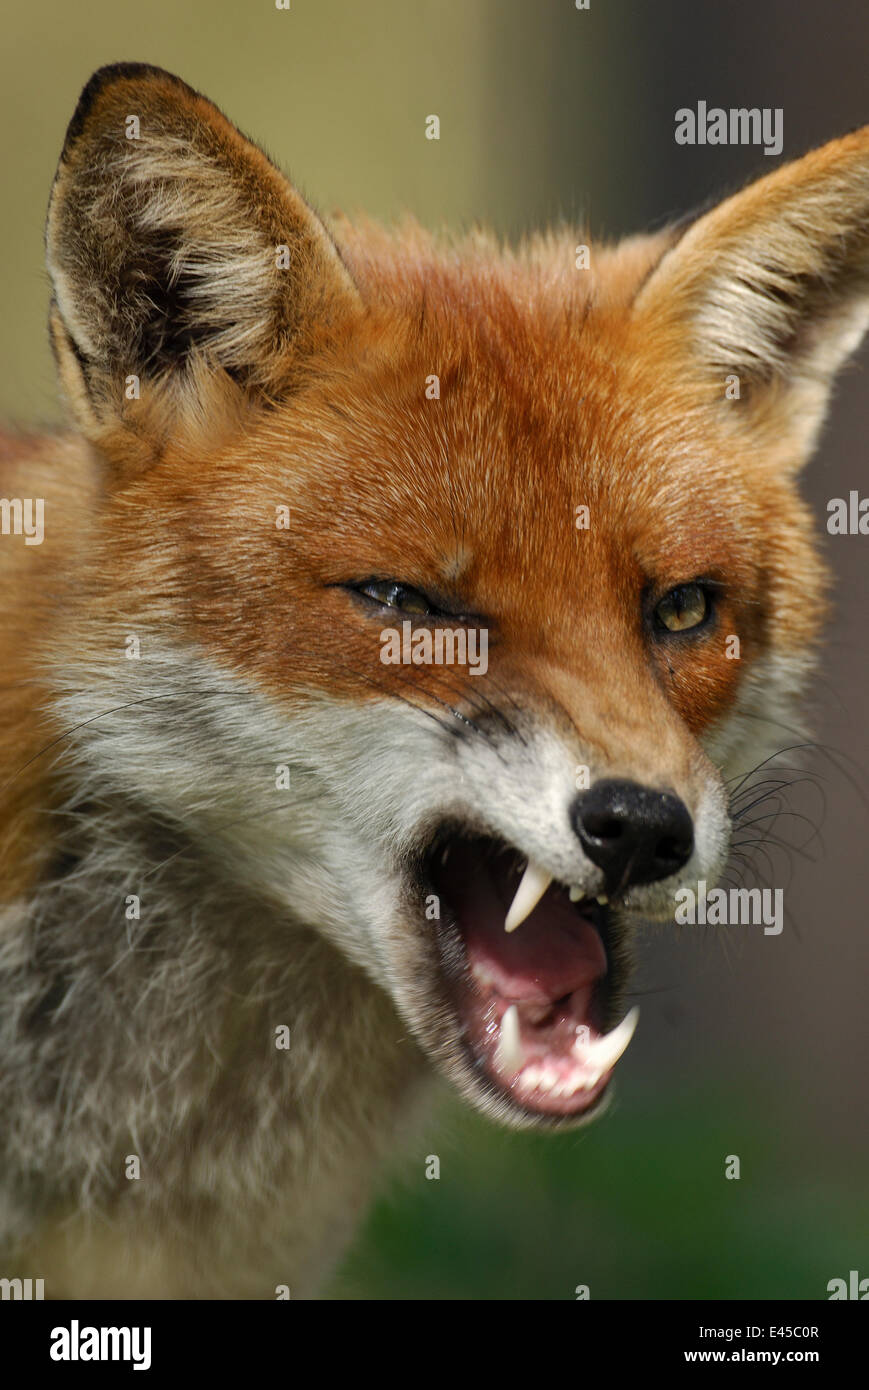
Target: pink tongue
551	954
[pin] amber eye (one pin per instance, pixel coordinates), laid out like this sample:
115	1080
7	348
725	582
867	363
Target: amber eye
683	608
394	595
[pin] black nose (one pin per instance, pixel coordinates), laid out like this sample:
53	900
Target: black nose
636	835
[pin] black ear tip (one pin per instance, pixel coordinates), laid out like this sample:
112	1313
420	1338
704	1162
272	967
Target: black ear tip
105	77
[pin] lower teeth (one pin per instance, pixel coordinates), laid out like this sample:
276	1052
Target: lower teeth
591	1059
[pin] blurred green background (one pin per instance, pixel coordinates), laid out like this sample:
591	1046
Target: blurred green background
755	1047
636	1206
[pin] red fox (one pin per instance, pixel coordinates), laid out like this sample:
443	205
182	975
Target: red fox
380	647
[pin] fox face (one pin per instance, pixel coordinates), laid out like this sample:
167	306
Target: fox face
325	457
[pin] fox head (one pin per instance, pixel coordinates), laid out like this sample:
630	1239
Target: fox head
460	584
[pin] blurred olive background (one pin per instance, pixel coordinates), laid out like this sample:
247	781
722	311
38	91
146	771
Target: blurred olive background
748	1045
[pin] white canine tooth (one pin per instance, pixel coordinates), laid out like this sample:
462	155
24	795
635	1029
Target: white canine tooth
603	1053
575	893
534	884
508	1053
602	899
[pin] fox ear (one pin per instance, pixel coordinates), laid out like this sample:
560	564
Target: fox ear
182	262
771	288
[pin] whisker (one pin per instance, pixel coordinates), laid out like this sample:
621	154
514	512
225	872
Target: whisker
68	733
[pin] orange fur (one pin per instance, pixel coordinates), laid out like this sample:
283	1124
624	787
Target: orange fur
212	382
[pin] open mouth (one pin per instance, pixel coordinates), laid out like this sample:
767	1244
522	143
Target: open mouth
532	970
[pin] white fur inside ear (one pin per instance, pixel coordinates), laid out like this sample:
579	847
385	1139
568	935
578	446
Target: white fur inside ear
186	242
772	287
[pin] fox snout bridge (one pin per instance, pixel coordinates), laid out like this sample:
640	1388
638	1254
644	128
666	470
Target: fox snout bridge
634	834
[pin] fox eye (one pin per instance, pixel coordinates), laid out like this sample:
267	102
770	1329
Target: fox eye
683	608
392	594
